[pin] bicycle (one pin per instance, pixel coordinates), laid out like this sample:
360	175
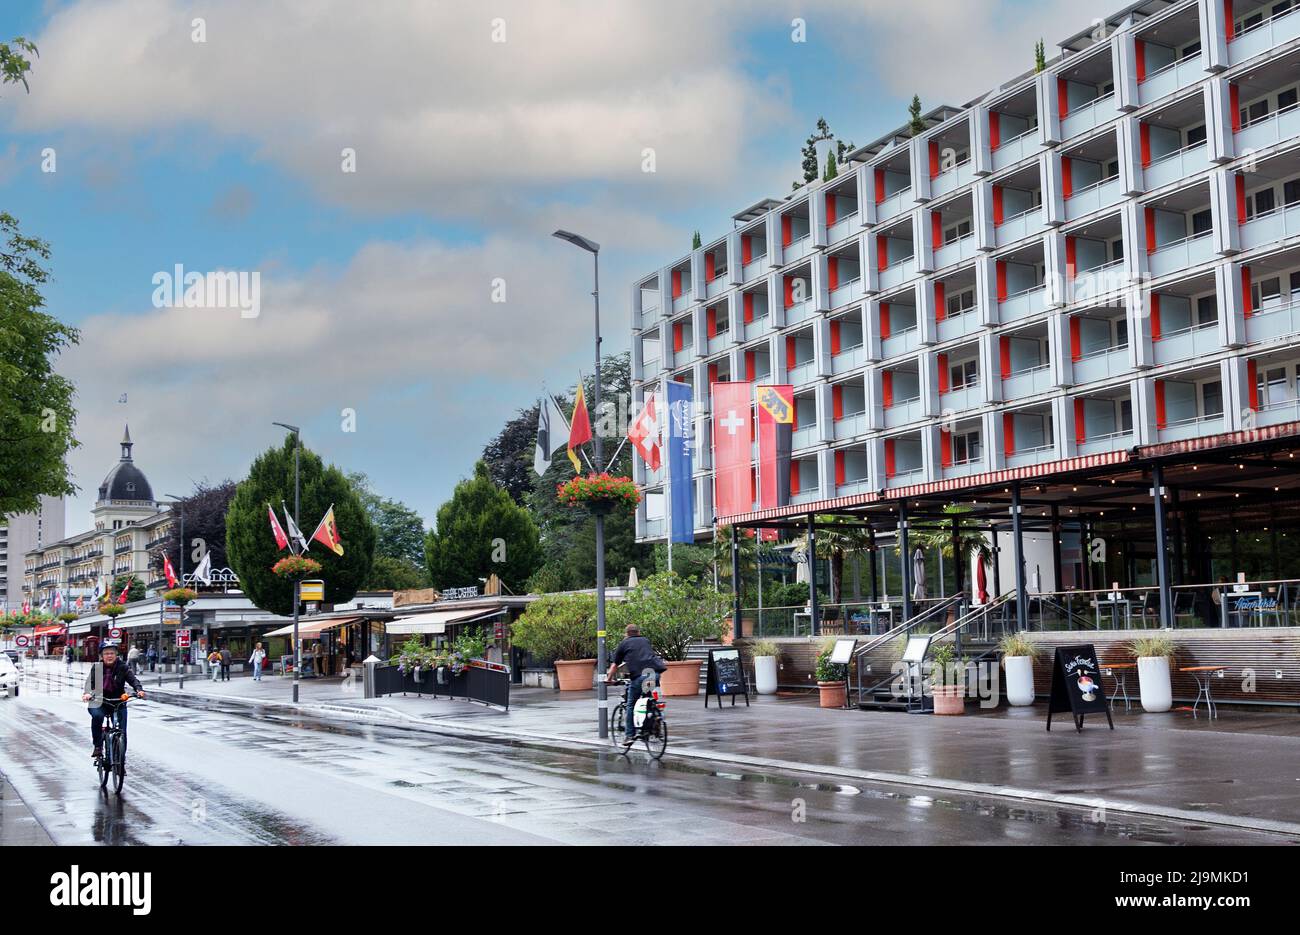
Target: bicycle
111	763
653	730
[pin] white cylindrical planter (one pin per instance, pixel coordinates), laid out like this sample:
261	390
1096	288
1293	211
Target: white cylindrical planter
1153	682
1020	679
765	675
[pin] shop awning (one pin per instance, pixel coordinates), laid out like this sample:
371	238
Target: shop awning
309	628
48	631
79	628
435	622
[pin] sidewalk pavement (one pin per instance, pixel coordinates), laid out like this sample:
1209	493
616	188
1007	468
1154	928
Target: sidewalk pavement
1241	770
18	825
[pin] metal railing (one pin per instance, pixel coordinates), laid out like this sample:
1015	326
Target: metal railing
1221	605
938	610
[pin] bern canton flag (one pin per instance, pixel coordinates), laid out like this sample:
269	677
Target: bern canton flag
681	459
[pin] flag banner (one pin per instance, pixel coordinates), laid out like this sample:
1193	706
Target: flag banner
294	532
168	571
775	432
733	446
204	571
579	428
281	539
58	600
328	532
644	433
681	458
121	598
552	432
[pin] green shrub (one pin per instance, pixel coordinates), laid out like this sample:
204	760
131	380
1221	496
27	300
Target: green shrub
1017	644
826	670
1146	646
764	648
672	612
946	667
558	626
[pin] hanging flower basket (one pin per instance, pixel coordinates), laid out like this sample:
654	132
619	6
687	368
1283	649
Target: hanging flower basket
112	610
181	596
599	493
296	567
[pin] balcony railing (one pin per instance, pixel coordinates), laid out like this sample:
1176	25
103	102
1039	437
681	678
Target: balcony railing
851	425
1181	254
894	205
796	249
1191	428
845	226
719	342
1100	444
966	397
805	436
802	373
956	252
849	359
1272	226
1031	301
1018	226
1027	456
1100	364
800	311
1171	78
1271	128
681	302
1278	411
1175	166
1029	382
1098	281
953	178
1195	341
906	475
754	268
1270	323
1086	116
1017	148
900	342
761	325
847	292
1092	198
960	325
1266	35
904	411
964	468
717	285
898	273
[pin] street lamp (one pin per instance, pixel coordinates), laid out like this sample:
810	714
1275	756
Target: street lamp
180	513
297	648
602	689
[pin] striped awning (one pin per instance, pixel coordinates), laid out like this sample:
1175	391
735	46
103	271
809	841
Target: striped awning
437	621
310	628
1224	440
48	631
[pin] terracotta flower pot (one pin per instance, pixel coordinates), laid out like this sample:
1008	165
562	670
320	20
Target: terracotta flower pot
682	678
949	699
832	694
575	675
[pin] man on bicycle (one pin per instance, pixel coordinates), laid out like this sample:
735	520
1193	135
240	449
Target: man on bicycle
105	683
636	655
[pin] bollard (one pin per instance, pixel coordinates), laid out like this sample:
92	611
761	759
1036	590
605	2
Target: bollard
368	680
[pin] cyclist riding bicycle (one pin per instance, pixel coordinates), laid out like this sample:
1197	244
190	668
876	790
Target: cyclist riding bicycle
105	683
635	655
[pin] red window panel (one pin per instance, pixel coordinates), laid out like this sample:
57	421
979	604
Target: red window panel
837	402
711	322
787	230
794	478
794	419
1252	375
1080	423
1155	316
940	304
751	366
746	249
1151	230
1063	96
832	273
789	353
1247	299
995	129
747	301
1076	339
1000	267
710	266
1140	50
880	185
882	252
1004	356
830	209
677	336
887	389
1229	25
1161	422
1067	177
1071	256
936	229
945	448
1234	100
934	159
884	321
1144	142
1241	199
890	469
997	205
839	468
943	372
713	373
1008	433
835	338
677	283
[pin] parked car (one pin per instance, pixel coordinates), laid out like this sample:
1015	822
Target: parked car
8	676
15	654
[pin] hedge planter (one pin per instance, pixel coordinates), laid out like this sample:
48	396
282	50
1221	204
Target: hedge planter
575	675
765	675
1153	683
1020	680
832	694
949	699
681	678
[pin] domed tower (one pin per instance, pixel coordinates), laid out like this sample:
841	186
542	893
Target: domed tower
125	496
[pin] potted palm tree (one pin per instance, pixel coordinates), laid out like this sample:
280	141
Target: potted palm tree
764	654
1153	654
947	680
830	677
1018	659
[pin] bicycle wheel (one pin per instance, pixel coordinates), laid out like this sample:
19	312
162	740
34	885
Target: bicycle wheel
119	764
618	724
656	737
104	770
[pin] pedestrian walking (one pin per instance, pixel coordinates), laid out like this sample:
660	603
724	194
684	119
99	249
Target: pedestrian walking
226	658
67	655
255	660
214	664
152	656
317	662
133	659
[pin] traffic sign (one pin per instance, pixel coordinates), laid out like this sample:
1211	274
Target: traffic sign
114	633
183	638
21	640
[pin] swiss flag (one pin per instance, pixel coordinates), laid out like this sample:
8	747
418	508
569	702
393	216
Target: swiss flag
281	539
121	598
644	434
733	447
169	571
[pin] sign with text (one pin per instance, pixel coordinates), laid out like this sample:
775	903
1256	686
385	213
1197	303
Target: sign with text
1076	685
726	676
183	638
312	590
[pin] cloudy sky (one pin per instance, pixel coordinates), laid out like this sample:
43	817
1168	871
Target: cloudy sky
221	145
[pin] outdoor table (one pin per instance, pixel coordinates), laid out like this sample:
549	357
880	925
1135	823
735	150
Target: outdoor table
1115	607
1119	672
1202	675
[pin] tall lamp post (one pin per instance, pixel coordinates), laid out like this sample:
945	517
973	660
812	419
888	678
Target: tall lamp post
180	513
297	647
602	663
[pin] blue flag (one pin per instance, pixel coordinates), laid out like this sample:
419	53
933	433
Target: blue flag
681	459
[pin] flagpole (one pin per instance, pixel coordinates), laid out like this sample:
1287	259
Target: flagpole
666	458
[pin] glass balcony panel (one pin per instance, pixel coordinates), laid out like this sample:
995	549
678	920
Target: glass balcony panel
649	316
849	359
1099	281
1171	78
1191	428
1023	305
716	287
903	412
753	269
1093	198
1102	444
1268	34
1019	227
1027	383
968	397
894	205
1176	165
1091	114
955	252
843	227
682	301
906	476
805	436
958	326
965	468
1031	456
1267	228
797	250
719	343
898	273
800	311
1099	366
803	373
1190	342
1013	150
1182	254
807	496
1276	127
900	342
851	426
853	486
1282	321
953	179
1275	413
848	292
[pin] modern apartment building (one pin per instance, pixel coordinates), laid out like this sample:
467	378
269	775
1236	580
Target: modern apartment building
20	534
1086	260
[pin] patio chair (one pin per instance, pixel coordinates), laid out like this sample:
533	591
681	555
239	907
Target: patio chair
1185	609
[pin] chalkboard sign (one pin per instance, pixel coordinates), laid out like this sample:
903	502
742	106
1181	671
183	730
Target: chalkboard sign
1076	685
726	676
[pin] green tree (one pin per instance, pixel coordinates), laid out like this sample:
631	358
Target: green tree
915	123
14	63
205	519
399	530
481	531
1040	56
832	170
136	593
970	539
251	547
837	538
672	612
509	456
388	573
696	242
558	626
36	411
809	151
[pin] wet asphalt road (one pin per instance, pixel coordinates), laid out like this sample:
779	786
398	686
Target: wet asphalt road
226	773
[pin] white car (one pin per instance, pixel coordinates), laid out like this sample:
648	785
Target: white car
8	676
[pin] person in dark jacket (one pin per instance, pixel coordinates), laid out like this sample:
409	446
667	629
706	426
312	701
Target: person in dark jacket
226	659
106	682
636	655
